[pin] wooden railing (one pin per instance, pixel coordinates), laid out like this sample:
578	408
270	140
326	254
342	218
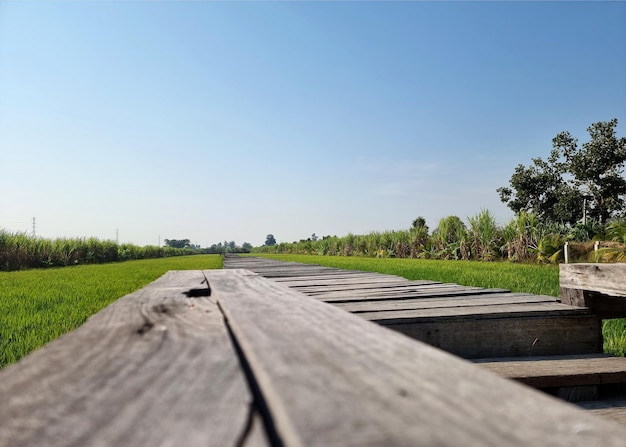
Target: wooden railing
228	358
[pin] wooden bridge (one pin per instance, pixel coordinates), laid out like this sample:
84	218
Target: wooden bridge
269	353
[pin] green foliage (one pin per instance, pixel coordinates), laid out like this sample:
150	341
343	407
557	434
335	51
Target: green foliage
550	248
36	306
19	251
178	243
485	238
574	182
523	239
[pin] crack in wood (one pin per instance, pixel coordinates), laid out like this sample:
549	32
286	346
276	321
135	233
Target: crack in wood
259	404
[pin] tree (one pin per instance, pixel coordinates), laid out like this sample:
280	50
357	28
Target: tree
597	167
270	240
419	223
177	243
573	181
314	237
246	247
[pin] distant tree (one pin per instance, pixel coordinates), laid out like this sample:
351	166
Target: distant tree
177	243
246	247
270	240
314	237
420	223
574	181
597	167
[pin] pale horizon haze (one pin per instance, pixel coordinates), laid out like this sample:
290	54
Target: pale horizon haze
215	121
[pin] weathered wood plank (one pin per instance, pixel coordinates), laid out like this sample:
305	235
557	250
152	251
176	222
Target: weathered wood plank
609	279
560	371
425	303
342	281
348	276
157	367
613	409
508	337
434	292
365	286
517	310
329	378
604	306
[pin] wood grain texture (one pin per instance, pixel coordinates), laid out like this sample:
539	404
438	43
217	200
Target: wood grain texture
508	337
558	371
604	306
613	409
330	378
348	277
342	281
427	291
516	310
609	279
494	300
155	368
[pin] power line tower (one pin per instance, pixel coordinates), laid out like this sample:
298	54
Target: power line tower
34	226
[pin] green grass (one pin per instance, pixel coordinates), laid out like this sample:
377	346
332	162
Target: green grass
36	306
535	279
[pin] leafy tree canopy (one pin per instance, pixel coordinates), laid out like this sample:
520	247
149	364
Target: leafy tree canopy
574	180
270	240
177	243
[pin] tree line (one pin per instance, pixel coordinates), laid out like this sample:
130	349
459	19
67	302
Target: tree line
575	195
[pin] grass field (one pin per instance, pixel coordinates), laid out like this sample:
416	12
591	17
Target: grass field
529	278
36	306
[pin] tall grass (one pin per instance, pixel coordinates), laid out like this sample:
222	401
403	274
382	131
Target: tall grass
38	305
523	239
19	251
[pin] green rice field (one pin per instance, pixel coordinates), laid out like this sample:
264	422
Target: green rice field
36	306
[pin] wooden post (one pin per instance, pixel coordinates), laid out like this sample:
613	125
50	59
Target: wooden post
566	252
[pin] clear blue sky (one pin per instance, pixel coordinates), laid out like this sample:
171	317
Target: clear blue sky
227	121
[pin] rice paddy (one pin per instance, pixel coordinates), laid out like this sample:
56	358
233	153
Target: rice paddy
36	306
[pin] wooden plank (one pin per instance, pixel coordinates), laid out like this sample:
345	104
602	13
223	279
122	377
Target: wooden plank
604	306
517	310
508	337
288	273
157	367
347	274
560	371
329	378
425	303
343	281
441	292
613	409
608	279
369	286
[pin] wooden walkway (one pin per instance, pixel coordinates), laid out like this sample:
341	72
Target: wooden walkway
535	340
232	358
470	322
